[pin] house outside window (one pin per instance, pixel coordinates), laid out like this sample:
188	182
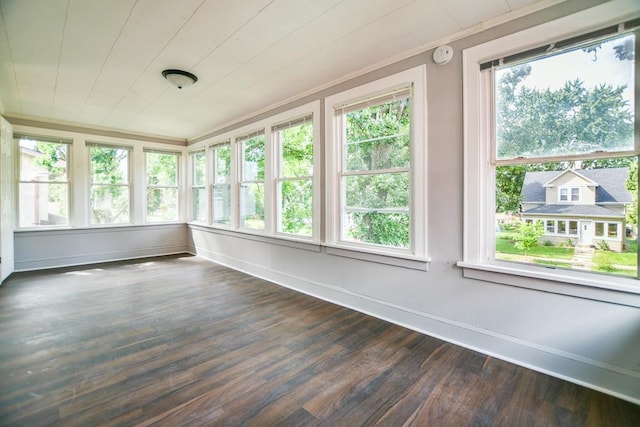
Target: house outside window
162	185
43	190
110	184
376	166
198	165
579	154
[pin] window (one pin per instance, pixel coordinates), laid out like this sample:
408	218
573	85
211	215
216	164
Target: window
612	230
198	186
222	183
294	143
252	180
561	111
110	184
162	185
551	226
44	182
599	229
569	194
376	166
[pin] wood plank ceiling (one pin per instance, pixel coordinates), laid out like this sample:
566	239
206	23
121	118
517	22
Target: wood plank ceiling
98	63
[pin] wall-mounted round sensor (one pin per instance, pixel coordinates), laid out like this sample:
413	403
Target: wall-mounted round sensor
442	54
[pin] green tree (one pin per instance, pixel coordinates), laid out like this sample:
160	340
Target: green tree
542	122
378	202
527	235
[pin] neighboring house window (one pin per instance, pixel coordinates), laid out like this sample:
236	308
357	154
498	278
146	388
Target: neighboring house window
566	107
251	183
43	191
198	165
162	185
221	183
294	144
551	226
376	166
569	194
110	184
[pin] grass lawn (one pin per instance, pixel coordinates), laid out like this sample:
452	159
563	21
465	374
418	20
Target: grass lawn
504	245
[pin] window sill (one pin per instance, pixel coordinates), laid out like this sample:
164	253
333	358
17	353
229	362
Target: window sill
303	244
599	287
397	260
95	228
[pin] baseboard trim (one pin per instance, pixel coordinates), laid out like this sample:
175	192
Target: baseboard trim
72	261
613	380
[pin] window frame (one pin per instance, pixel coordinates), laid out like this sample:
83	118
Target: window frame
129	184
193	185
68	182
241	179
479	181
212	183
416	79
270	232
176	187
279	178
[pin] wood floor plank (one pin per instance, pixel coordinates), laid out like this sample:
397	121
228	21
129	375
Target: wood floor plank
182	341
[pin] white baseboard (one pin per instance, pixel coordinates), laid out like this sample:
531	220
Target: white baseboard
610	379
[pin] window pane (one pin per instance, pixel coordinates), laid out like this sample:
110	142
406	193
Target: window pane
43	204
296	207
551	226
222	203
222	164
575	194
252	206
580	101
599	229
612	230
162	169
380	191
199	204
109	204
562	227
379	228
296	148
43	161
162	204
573	227
377	209
378	137
253	159
199	168
109	165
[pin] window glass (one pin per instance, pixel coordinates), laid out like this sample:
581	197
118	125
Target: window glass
562	125
198	186
222	184
295	180
252	182
162	186
376	177
110	187
43	191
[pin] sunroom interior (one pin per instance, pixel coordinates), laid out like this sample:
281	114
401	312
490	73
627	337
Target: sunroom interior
217	168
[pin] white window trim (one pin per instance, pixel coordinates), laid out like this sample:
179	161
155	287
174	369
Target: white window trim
191	156
130	183
311	108
479	183
177	186
69	182
211	183
417	78
569	190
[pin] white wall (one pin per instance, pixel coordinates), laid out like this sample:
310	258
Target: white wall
584	340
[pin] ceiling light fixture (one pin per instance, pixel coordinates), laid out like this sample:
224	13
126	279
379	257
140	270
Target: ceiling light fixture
179	78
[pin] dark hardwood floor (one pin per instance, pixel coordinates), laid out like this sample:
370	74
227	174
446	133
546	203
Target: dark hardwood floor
182	341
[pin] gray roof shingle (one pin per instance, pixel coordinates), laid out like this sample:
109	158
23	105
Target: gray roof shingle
574	211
